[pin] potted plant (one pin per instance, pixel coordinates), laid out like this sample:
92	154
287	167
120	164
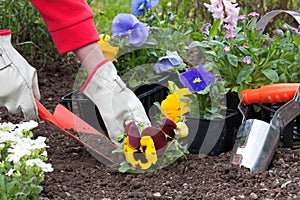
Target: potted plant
201	103
245	56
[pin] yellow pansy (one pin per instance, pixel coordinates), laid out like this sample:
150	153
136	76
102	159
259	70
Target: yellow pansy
109	51
144	156
173	106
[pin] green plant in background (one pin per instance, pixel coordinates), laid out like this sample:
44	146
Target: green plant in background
246	58
29	33
145	38
105	11
22	161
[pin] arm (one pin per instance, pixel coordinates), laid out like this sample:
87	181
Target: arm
70	23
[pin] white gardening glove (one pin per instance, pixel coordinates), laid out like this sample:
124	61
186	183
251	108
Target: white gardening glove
117	104
19	85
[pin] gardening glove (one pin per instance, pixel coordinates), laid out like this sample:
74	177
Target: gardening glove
19	85
117	104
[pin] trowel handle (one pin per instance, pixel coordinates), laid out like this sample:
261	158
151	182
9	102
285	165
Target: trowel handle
273	93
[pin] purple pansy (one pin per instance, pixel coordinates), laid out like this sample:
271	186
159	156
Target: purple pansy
171	16
196	79
159	135
169	61
127	25
151	18
138	7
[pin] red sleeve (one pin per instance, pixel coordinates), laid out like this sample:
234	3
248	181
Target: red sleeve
70	23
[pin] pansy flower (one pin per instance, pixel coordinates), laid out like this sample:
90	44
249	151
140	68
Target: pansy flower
169	61
151	18
143	149
176	104
138	7
108	51
171	16
196	79
127	25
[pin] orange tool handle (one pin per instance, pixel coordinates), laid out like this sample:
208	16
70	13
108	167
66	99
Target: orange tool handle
273	93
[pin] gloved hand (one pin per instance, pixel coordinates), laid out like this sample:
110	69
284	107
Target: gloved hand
117	104
18	80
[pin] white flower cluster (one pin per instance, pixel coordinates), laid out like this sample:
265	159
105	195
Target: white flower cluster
225	10
14	139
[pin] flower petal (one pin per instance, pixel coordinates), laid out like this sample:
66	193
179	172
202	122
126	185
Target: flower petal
133	135
122	23
162	66
192	80
149	152
137	7
206	76
151	3
139	35
168	127
158	137
173	57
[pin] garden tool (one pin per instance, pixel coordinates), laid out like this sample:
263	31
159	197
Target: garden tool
97	144
257	140
263	22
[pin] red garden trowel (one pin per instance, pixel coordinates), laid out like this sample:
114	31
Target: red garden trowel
96	143
257	140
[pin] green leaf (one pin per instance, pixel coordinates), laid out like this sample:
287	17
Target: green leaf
214	29
125	166
12	188
37	189
232	59
244	50
283	78
271	74
252	23
245	73
198	44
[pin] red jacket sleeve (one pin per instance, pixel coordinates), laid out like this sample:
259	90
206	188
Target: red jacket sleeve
70	23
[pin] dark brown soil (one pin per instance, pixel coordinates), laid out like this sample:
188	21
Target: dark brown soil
78	175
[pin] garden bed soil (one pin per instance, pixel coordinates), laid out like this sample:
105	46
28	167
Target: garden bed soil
78	175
